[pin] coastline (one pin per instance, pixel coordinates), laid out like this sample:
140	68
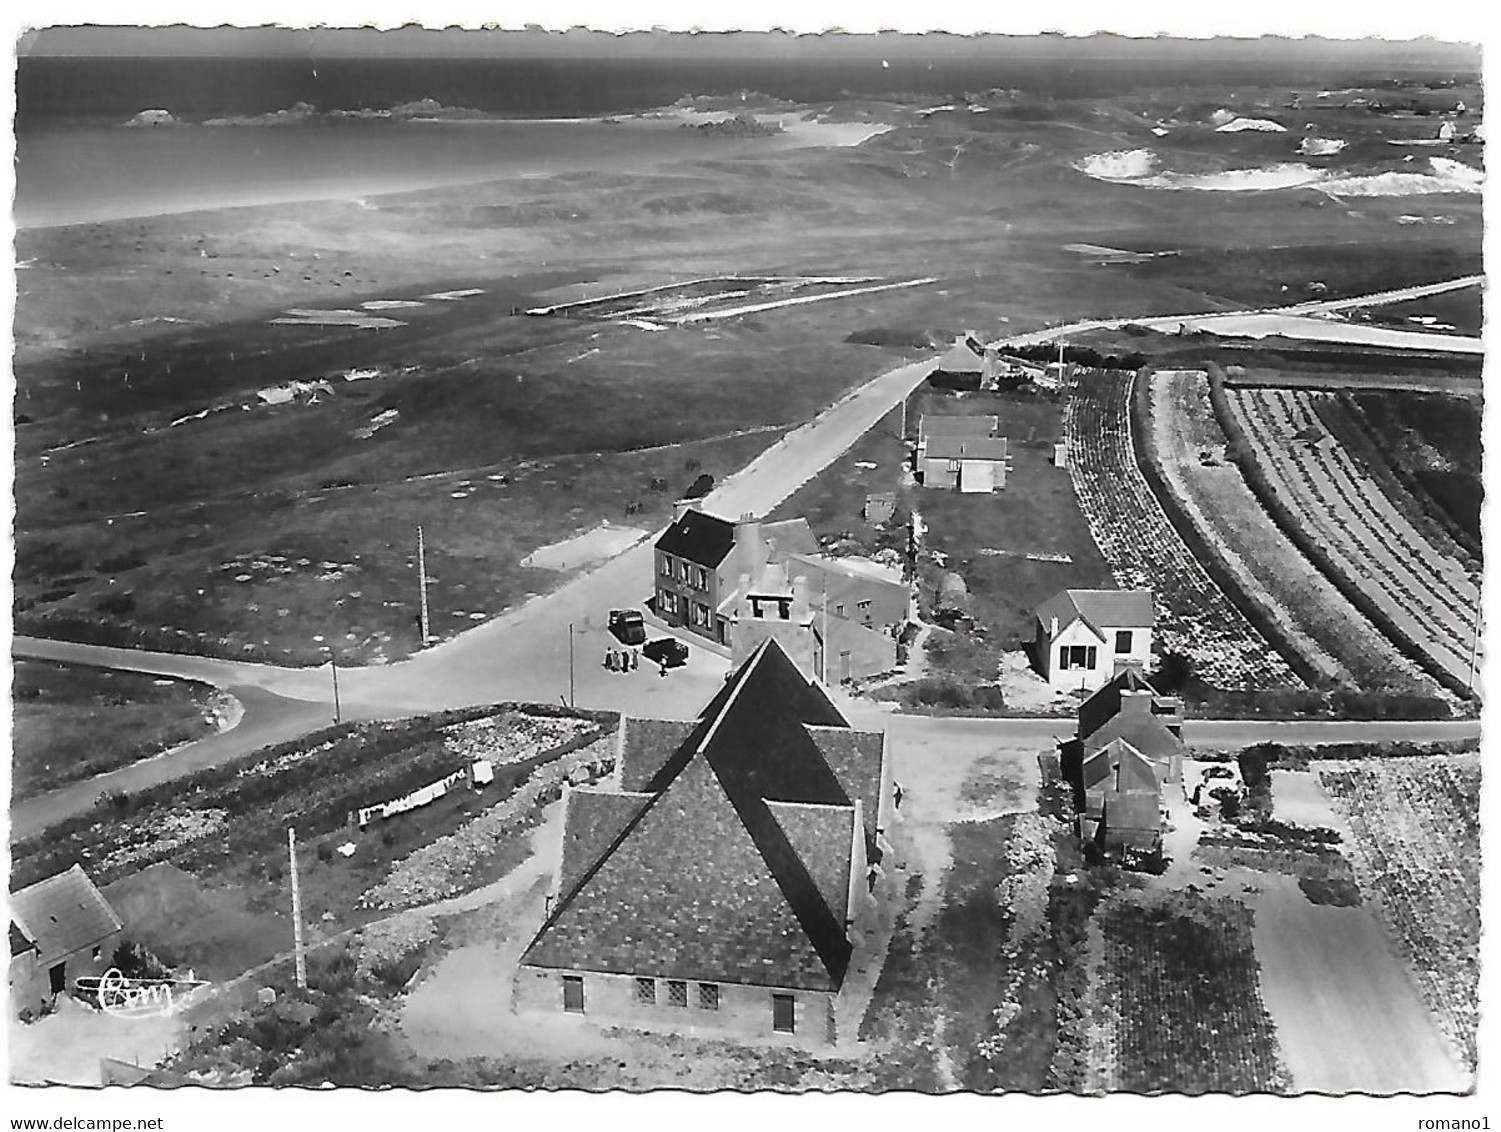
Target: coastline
174	170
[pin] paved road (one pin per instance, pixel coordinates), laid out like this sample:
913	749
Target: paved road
268	719
1168	322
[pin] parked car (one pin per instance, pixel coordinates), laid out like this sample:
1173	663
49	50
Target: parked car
628	626
666	650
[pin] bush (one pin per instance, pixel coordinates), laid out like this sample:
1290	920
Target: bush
940	692
136	962
117	604
700	487
1173	672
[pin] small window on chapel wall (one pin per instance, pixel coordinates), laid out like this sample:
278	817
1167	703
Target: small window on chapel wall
708	996
677	993
573	994
646	992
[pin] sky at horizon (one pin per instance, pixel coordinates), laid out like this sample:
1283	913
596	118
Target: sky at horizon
110	40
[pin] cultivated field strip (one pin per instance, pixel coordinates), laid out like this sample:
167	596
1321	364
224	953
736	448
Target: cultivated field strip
1417	851
1427	596
1144	551
1334	638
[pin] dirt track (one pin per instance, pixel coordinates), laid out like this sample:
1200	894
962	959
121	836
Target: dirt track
1348	1018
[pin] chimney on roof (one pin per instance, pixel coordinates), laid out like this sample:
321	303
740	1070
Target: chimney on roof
1135	705
682	506
750	548
800	605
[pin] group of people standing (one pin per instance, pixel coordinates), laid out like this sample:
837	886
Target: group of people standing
628	660
622	660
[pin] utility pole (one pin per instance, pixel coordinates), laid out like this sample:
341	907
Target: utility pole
570	664
422	583
333	665
1474	649
300	958
824	676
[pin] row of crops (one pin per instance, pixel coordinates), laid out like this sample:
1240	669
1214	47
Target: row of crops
1424	597
1417	847
1194	617
1180	1000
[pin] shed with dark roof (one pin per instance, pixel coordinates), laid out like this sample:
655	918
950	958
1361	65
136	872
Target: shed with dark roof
61	928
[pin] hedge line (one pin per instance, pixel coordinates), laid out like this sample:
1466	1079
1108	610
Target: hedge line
1262	619
1243	454
1259	758
84	630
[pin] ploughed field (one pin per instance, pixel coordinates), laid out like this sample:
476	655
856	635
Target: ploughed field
1417	846
1427	599
1333	638
1194	617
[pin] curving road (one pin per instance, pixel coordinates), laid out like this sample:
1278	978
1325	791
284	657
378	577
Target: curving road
1206	319
551	647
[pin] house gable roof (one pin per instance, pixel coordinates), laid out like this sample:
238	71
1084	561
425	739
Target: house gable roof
790	536
699	537
933	425
1103	704
962	357
1146	733
709	878
62	914
967	448
1099	609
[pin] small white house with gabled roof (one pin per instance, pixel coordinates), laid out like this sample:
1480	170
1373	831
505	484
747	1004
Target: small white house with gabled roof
1085	636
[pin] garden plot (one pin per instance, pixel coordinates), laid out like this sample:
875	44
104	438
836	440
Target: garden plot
1144	551
1317	619
1416	847
1177	1005
1427	597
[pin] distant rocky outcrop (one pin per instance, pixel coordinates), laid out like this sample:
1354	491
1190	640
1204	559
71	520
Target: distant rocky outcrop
740	126
303	112
153	118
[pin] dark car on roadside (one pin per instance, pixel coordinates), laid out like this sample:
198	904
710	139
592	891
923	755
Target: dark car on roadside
666	650
628	626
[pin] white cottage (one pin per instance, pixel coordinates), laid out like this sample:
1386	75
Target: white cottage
1085	636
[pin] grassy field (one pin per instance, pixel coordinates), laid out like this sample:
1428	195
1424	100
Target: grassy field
124	328
987	538
70	723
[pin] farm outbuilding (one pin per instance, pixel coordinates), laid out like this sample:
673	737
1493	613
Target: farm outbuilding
972	465
880	506
61	928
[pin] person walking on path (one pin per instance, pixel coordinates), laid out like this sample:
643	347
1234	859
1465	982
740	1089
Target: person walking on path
663	670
